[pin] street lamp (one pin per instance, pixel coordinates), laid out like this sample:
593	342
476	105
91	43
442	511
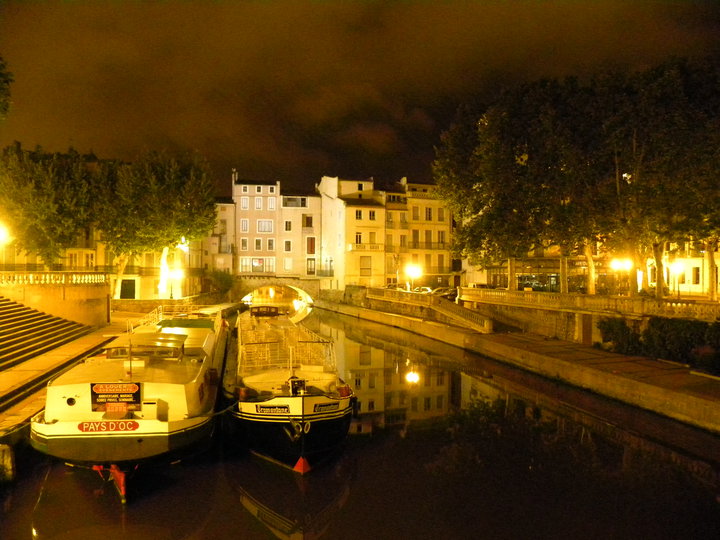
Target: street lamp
677	268
413	271
175	275
623	265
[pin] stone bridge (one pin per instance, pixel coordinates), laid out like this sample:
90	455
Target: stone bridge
308	288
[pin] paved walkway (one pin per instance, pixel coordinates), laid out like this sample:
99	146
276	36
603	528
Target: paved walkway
17	378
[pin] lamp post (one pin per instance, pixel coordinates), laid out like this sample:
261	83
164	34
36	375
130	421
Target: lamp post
624	266
677	268
413	272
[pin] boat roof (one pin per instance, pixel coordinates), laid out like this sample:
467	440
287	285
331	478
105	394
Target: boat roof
149	339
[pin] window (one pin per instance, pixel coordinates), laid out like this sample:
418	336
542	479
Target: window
288	246
428	214
371	217
244	225
441	238
288	225
294	202
403	240
358	238
696	275
372	380
360	187
441	214
307	220
439	402
258	244
388	240
415	213
264	225
271	189
258	189
310	267
428	239
243	244
258	203
366	265
245	189
287	264
271	203
373	238
271	244
310	245
358	214
244	203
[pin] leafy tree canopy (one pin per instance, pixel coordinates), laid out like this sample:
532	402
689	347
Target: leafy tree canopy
156	201
630	159
46	198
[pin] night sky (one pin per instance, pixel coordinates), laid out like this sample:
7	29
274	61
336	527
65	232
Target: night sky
294	90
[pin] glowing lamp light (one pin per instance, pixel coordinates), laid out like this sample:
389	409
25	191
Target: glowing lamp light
677	267
413	271
4	235
624	265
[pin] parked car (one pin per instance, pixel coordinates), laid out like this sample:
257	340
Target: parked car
449	293
422	290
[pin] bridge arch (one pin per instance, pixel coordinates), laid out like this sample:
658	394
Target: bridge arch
306	289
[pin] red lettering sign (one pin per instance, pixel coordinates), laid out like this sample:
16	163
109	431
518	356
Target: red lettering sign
115	388
108	425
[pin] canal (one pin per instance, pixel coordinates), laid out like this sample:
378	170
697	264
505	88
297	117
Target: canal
447	444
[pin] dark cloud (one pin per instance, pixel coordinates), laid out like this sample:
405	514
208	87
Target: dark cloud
292	90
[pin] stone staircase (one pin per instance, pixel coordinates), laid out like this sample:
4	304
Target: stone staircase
26	333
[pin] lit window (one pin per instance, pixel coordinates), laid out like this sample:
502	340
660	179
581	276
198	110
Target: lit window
264	225
258	203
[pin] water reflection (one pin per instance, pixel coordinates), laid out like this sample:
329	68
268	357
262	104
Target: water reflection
525	457
289	505
78	503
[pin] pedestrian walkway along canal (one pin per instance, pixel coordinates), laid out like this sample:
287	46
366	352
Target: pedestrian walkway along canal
528	457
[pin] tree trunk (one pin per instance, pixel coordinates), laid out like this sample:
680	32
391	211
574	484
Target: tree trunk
591	274
121	264
512	281
658	250
563	274
712	288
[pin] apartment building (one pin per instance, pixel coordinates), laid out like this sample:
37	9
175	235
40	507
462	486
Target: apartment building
372	235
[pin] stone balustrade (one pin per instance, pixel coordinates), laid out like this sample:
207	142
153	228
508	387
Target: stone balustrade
595	304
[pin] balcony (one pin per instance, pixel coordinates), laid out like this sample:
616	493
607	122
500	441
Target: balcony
366	247
429	245
403	225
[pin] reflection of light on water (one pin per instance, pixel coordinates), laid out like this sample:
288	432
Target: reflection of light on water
412	376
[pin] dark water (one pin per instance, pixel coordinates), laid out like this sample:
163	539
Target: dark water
526	458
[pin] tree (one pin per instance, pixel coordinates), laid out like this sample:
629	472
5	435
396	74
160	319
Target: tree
153	204
629	159
5	80
46	199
